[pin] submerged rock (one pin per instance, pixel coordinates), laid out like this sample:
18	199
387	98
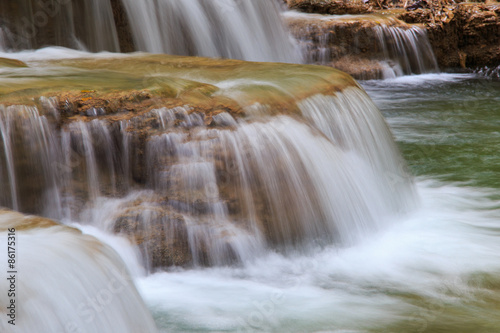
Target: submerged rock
160	234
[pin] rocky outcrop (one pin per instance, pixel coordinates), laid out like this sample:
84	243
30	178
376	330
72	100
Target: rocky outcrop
366	46
122	27
462	35
465	35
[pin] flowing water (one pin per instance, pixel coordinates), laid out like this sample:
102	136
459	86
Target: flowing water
65	281
292	224
229	193
434	270
249	30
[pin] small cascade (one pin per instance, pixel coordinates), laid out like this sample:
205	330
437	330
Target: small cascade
67	282
238	29
408	48
28	152
95	27
85	25
353	122
366	46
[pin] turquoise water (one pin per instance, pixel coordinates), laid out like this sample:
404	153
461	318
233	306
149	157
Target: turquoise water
448	125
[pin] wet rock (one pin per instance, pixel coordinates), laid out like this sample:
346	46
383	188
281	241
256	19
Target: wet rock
159	233
6	62
453	28
122	27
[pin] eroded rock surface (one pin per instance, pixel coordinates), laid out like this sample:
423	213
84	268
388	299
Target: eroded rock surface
464	35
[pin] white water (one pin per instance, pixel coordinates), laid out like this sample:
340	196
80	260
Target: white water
430	253
240	29
67	282
409	48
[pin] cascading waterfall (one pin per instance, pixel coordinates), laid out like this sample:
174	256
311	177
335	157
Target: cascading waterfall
219	195
248	30
281	176
28	141
238	29
97	18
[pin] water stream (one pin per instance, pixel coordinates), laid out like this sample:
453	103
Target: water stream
333	217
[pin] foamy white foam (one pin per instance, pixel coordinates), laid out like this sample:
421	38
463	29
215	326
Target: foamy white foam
429	254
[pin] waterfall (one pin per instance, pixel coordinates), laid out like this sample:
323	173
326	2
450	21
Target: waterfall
67	282
408	48
238	29
28	154
367	46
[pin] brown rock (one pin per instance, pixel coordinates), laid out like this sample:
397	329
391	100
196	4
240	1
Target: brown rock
159	233
467	28
333	7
